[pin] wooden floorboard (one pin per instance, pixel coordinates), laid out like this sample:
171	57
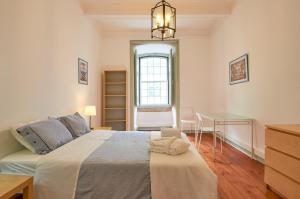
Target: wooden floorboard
238	175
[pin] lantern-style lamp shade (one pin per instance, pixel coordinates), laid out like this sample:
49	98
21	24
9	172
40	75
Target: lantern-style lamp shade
163	21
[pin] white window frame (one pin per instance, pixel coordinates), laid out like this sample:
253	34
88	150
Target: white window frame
168	80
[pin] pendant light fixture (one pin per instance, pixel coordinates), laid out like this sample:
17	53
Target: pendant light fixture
163	21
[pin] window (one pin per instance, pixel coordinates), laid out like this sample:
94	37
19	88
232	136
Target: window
154	81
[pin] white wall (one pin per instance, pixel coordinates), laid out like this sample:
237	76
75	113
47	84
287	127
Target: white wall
194	73
194	64
269	31
40	42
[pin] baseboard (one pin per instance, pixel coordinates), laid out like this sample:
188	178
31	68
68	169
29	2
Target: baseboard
152	128
258	155
242	147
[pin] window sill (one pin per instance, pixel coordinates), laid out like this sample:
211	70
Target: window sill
155	109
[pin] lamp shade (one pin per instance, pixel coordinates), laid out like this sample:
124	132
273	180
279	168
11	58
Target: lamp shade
163	21
90	110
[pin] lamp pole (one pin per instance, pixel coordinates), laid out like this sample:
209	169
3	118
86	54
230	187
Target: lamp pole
90	122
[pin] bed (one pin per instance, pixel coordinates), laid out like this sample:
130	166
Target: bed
69	171
21	162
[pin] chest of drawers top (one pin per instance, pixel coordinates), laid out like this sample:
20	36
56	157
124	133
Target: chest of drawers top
284	138
287	128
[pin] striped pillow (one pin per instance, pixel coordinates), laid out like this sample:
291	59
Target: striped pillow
76	124
45	136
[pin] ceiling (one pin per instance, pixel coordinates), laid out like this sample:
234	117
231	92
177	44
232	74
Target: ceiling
193	16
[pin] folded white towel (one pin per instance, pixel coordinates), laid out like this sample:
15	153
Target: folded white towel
159	149
178	147
169	145
164	141
161	145
170	132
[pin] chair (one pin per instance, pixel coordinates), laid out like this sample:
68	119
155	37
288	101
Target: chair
187	116
202	128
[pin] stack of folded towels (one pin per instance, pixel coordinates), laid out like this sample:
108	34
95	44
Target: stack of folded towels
170	143
170	132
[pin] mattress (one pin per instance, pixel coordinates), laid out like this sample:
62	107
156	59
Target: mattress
172	177
22	162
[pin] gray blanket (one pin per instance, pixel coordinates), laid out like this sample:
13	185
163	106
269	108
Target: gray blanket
118	169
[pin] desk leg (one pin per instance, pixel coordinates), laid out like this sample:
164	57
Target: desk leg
27	192
196	136
223	136
214	141
252	148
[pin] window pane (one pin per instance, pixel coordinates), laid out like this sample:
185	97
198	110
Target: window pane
164	100
163	62
157	70
156	61
164	86
164	93
164	70
144	93
157	100
150	61
157	93
150	86
144	77
150	77
151	93
154	81
150	100
156	77
144	86
157	85
144	70
144	100
143	62
150	69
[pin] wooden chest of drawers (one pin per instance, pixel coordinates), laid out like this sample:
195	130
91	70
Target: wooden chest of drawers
282	159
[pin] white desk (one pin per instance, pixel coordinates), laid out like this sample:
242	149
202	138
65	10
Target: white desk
228	119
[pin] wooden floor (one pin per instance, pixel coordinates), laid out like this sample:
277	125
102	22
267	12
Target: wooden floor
238	175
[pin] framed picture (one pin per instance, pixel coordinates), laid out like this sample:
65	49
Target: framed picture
238	70
83	72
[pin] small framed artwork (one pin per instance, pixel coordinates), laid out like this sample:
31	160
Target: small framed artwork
83	72
238	70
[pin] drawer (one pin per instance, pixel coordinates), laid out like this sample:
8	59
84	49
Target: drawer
283	163
284	142
282	184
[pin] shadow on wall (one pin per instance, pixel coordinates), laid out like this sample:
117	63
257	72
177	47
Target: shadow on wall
8	144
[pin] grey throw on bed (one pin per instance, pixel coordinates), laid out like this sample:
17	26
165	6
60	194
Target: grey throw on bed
118	169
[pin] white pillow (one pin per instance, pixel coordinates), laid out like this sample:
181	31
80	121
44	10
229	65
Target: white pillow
20	138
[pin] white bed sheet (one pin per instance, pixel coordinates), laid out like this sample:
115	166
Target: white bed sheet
186	176
22	162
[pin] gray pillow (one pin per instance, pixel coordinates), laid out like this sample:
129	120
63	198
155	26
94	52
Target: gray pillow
45	136
76	124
